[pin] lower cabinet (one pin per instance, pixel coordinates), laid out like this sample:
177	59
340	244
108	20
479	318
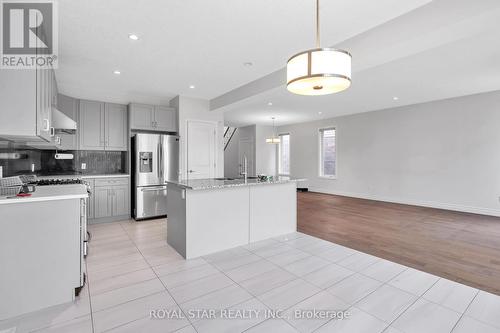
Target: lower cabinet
110	199
120	200
102	202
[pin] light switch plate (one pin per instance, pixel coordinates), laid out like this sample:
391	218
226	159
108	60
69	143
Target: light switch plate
84	166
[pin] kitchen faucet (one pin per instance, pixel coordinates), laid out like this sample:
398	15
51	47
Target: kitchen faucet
245	167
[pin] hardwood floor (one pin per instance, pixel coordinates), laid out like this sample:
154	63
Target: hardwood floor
458	246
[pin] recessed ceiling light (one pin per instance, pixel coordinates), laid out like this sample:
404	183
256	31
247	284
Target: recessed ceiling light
270	104
320	112
117	72
191	87
248	64
395	98
133	37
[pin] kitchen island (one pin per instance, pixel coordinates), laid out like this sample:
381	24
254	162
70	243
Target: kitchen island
41	255
210	215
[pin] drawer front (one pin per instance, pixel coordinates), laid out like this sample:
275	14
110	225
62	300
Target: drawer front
111	181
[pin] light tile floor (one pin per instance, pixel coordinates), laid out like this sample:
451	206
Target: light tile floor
131	271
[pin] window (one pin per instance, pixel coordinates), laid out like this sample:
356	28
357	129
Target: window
284	155
327	153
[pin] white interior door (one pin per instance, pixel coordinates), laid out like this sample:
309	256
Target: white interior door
201	149
246	147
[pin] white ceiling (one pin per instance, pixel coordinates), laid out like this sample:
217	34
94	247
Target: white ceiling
195	42
418	50
437	52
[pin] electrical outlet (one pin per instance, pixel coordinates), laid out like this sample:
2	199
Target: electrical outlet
32	167
84	166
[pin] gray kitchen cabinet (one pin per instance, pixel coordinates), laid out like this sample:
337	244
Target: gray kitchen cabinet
116	127
91	125
25	99
111	199
102	202
102	126
152	118
165	119
120	200
44	103
141	116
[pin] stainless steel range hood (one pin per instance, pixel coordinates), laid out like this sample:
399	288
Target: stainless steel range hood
62	123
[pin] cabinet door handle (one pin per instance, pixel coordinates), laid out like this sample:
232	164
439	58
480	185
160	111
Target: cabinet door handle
52	131
46	125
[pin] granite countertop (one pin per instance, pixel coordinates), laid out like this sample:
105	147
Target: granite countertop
48	193
107	176
219	183
85	176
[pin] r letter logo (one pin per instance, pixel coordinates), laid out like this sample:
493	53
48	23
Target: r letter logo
29	34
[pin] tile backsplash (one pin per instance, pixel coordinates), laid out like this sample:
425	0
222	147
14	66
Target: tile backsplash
17	161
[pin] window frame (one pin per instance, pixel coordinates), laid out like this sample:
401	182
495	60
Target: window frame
280	135
320	153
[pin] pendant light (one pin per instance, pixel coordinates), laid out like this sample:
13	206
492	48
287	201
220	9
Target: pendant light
274	139
319	71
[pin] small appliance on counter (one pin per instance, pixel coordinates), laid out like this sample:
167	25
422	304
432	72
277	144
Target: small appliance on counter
155	160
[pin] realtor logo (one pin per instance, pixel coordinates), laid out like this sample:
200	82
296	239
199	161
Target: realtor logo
29	34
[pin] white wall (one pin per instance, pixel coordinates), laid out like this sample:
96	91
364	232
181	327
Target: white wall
443	154
264	153
198	109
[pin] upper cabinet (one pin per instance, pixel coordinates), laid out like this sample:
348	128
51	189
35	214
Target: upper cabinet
44	82
141	116
152	118
26	98
91	125
102	126
165	119
116	132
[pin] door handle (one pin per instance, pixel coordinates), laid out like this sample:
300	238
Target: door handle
154	189
191	171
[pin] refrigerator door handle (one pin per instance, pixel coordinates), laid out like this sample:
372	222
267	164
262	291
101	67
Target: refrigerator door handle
160	160
150	189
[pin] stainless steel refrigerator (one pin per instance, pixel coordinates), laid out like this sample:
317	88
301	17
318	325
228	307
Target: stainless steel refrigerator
155	160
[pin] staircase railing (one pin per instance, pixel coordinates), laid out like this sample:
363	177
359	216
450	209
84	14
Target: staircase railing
228	135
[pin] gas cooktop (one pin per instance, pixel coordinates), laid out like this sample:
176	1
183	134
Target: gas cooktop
64	181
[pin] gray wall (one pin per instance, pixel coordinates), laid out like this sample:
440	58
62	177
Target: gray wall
265	154
443	154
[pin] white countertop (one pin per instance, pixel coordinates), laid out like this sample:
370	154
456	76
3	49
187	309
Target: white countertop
51	192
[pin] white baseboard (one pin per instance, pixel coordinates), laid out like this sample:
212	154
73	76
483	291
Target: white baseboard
447	206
